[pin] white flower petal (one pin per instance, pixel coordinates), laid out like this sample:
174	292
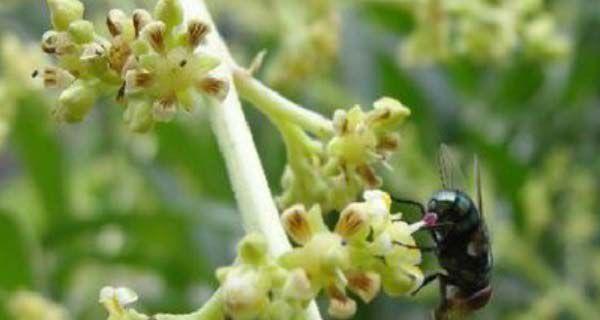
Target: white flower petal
125	296
378	201
107	294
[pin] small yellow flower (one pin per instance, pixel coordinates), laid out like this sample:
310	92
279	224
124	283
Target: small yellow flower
148	60
116	299
25	305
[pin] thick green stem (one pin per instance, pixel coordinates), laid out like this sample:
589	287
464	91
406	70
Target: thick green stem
275	105
255	201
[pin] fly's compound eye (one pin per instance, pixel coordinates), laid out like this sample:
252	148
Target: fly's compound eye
463	205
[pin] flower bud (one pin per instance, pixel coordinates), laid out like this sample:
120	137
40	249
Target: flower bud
154	33
63	12
196	32
75	102
164	109
340	305
400	232
49	41
245	293
297	286
118	54
340	123
81	31
136	80
296	224
123	296
115	22
115	300
366	285
401	280
279	310
92	52
378	206
369	176
140	19
353	222
253	249
388	113
138	115
170	12
379	202
388	142
214	87
57	43
54	77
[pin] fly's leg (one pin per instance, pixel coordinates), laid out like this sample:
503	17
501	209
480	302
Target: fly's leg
420	248
413	203
430	278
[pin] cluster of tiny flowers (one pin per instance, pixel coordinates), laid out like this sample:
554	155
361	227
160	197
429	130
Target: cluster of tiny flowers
15	82
150	62
116	299
481	30
368	251
334	172
310	44
257	287
25	305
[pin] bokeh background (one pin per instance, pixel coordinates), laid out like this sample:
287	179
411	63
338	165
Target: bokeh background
87	205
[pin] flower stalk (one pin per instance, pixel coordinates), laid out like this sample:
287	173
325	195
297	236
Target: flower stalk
254	197
273	104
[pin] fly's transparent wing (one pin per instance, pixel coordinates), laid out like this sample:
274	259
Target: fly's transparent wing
478	192
450	171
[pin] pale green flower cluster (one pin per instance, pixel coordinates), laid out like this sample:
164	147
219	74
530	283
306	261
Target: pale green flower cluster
15	82
25	305
308	35
150	62
259	288
115	300
481	30
366	253
310	42
333	171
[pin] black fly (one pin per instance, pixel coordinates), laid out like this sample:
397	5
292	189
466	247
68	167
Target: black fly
462	243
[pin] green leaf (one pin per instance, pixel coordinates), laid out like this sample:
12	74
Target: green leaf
197	153
585	69
519	84
389	17
41	155
15	267
163	242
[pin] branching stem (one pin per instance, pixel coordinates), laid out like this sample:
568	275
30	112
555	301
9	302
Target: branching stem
273	104
255	201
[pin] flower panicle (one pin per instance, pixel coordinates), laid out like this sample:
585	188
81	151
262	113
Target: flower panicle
334	171
149	61
363	255
358	256
482	31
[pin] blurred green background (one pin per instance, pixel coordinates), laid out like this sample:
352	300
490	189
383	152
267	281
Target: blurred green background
88	205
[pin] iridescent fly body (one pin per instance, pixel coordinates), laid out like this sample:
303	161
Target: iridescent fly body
462	245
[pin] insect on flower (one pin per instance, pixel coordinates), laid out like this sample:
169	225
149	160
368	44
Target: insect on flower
462	243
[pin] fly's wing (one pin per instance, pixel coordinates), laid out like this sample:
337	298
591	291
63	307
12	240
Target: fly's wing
478	192
485	235
450	171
